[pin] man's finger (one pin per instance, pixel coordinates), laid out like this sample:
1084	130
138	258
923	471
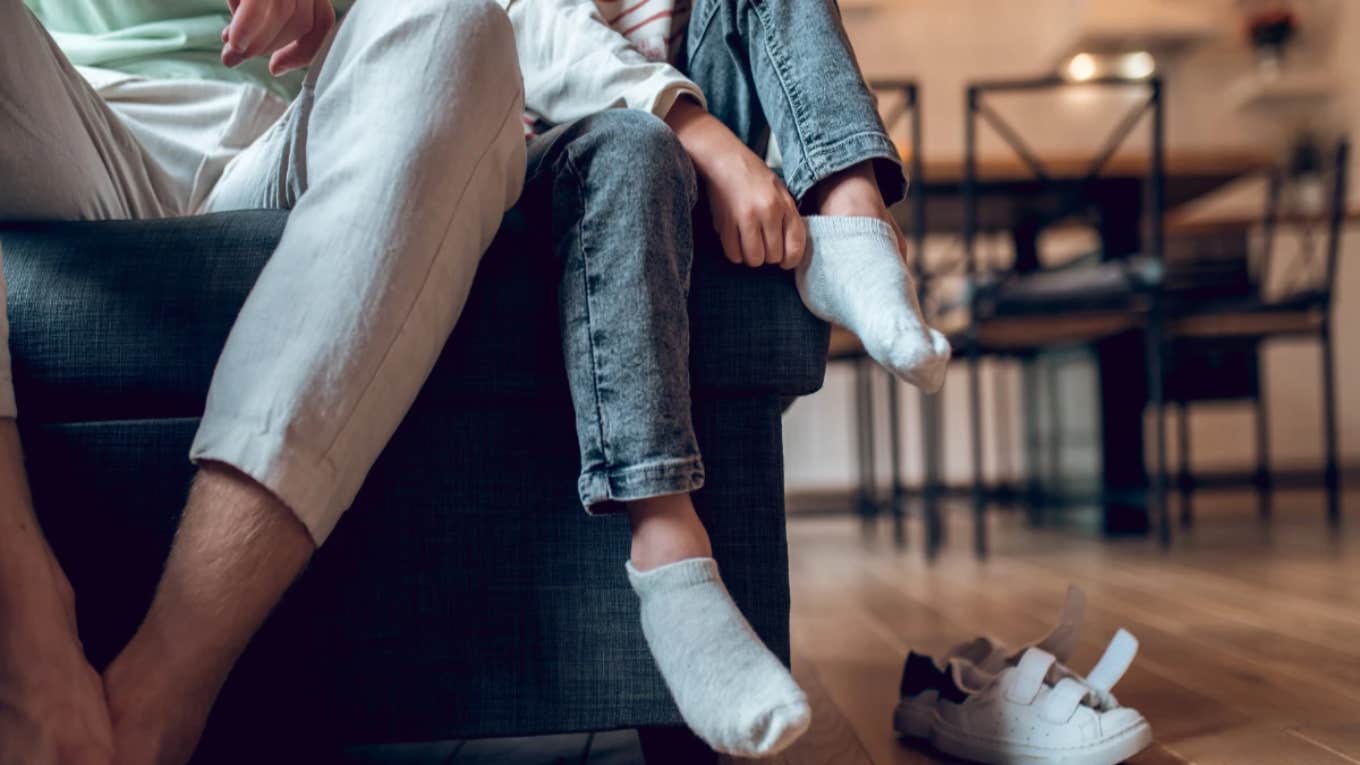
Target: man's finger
255	24
300	52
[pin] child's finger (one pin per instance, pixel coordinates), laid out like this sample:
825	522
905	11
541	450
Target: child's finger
731	244
772	236
795	240
752	244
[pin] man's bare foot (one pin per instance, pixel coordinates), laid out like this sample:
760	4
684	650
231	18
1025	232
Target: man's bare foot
52	707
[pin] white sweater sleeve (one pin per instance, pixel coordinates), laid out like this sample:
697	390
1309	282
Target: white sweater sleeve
574	64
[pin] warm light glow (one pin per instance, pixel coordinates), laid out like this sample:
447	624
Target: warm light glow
1081	67
1138	65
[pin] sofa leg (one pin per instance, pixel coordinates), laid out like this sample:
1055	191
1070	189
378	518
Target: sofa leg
674	745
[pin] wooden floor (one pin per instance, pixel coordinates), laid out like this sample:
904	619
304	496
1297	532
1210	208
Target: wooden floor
1250	635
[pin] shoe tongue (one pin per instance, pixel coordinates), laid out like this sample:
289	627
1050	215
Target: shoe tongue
982	652
1063	639
967	676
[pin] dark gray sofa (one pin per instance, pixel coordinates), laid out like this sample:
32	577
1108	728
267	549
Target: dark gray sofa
466	594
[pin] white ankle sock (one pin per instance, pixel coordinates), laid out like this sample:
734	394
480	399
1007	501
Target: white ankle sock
733	693
853	275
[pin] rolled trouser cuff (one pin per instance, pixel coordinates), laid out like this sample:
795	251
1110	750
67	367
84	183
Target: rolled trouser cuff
304	481
602	489
823	161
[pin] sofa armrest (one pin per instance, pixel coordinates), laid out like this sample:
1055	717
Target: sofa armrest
126	319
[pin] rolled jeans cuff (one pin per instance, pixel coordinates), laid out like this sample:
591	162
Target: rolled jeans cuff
305	482
602	489
823	161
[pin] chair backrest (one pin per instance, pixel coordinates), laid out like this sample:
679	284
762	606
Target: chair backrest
1308	198
1078	196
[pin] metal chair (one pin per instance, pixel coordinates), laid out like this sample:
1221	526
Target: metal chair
1016	314
1244	323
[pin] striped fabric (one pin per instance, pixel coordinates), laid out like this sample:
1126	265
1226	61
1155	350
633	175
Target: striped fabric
656	28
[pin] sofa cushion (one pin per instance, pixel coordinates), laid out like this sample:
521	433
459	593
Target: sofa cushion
125	319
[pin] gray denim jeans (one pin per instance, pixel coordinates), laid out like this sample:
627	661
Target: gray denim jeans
620	193
785	68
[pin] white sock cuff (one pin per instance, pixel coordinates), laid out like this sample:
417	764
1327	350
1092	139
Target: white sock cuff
682	573
848	225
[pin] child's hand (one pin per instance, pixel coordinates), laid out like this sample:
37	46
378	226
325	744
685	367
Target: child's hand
754	214
290	32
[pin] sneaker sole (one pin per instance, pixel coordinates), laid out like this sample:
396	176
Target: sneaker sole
1111	751
912	718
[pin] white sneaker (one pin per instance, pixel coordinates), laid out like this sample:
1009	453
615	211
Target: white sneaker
1040	712
925	683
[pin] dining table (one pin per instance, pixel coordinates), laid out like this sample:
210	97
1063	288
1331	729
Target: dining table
1010	200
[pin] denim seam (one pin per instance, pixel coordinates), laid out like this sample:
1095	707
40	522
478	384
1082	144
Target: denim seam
668	476
791	94
515	101
696	39
590	321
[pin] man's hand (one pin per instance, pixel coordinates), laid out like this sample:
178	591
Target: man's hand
290	32
754	214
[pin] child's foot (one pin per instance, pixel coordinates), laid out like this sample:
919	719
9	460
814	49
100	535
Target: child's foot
854	275
733	693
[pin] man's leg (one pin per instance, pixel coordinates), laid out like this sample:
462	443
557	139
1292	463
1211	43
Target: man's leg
785	68
621	192
404	150
236	551
63	155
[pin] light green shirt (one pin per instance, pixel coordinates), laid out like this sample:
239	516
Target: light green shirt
154	38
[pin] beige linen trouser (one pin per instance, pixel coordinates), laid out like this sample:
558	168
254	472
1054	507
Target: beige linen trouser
398	159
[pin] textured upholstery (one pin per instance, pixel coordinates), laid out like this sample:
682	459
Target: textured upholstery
148	306
466	594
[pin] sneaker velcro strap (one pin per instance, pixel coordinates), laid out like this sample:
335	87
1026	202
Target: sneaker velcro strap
1062	701
1112	666
1026	679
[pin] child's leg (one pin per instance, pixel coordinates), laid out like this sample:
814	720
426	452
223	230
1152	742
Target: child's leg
621	191
784	68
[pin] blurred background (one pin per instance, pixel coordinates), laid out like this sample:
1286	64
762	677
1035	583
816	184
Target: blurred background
1254	97
1135	220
